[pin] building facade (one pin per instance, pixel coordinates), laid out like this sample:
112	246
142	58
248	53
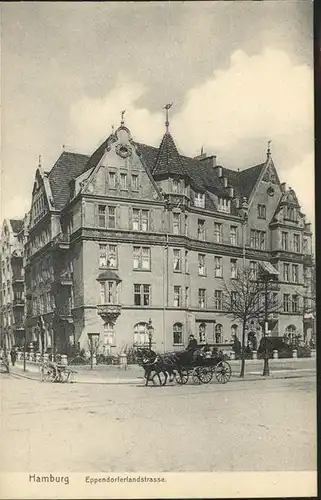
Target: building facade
134	233
13	236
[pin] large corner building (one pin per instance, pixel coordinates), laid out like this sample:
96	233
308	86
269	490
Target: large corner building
136	232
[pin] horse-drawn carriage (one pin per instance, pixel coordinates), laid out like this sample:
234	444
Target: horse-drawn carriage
181	366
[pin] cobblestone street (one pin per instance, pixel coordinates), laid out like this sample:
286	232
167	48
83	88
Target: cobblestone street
244	425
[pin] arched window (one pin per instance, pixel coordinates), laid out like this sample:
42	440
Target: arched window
202	333
109	334
177	334
218	334
290	333
234	330
141	333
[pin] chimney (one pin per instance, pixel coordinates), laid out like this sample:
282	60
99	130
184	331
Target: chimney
231	192
202	156
225	182
219	170
283	187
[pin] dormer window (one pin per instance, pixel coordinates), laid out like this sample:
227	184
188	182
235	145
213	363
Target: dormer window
290	214
224	205
199	200
176	186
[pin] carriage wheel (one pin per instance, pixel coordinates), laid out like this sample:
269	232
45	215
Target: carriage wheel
47	374
159	378
204	374
181	377
223	372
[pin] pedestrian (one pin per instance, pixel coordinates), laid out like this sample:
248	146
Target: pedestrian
13	356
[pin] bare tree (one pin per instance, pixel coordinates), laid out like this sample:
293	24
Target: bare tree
247	298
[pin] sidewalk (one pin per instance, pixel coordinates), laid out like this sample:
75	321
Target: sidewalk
102	374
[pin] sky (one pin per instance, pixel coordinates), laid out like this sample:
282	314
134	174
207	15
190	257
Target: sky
238	74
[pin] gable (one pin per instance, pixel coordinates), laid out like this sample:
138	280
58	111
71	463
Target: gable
40	202
121	171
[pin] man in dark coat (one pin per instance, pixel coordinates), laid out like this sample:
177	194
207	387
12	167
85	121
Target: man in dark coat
192	344
13	356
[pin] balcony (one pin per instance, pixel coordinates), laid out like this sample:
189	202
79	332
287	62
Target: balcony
109	312
19	327
61	241
64	279
65	315
18	303
177	200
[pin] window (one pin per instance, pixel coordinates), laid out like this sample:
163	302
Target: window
224	205
261	211
286	268
234	330
106	216
108	256
201	264
218	334
290	214
176	223
217	232
140	333
201	298
123	181
177	260
258	239
253	270
141	295
274	299
295	303
109	335
186	296
202	333
177	296
286	302
108	292
135	182
199	200
218	299
284	240
233	234
176	186
218	268
233	299
296	243
201	229
233	263
141	258
177	334
186	262
112	180
140	219
295	273
186	225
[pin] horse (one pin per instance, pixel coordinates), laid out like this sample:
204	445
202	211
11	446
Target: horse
160	364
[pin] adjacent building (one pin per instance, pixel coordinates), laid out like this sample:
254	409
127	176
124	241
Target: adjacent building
12	299
136	233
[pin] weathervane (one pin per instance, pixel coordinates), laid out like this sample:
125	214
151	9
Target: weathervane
167	107
268	153
122	117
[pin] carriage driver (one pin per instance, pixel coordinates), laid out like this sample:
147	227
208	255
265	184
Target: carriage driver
192	344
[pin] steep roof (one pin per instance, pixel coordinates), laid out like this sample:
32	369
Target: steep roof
168	160
67	167
161	161
16	225
247	179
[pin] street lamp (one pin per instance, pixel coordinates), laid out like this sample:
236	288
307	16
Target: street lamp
150	330
91	336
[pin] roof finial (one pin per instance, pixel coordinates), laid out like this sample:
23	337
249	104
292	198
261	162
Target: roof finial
202	150
39	161
268	153
63	147
112	129
122	123
167	107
